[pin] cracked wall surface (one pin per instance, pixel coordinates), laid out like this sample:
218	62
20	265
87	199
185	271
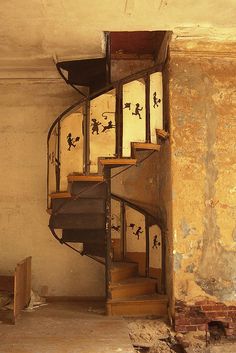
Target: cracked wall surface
203	129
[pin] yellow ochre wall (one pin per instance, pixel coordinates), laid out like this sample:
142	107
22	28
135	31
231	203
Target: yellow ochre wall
202	99
28	108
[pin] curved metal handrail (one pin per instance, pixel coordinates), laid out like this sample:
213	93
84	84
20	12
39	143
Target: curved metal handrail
138	75
134	206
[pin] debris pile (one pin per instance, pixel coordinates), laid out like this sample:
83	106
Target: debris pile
35	301
156	336
152	336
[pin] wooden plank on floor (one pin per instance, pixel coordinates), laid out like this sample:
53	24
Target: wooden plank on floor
61	328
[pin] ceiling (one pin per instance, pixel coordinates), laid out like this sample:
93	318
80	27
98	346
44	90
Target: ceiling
32	32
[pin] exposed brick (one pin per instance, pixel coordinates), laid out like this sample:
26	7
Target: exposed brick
196	307
231	307
202	327
213	307
232	314
198	320
197	316
183	321
217	314
191	327
230	331
181	329
203	302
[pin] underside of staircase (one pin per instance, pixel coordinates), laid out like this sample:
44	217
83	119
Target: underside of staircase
81	212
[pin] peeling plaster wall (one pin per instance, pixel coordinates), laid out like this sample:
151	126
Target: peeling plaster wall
28	107
74	28
203	130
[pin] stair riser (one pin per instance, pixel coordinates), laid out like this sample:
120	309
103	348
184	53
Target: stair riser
82	221
129	291
137	308
122	274
78	206
95	249
81	188
83	235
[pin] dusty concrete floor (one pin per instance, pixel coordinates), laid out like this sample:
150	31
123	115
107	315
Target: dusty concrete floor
66	328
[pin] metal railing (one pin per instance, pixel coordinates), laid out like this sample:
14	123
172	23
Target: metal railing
149	220
85	103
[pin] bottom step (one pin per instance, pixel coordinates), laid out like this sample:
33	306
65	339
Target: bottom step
139	306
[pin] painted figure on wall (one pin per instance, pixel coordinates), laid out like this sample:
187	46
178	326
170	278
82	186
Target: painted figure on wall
127	105
72	141
132	225
115	223
155	242
138	232
95	126
108	127
137	110
116	228
155	100
105	114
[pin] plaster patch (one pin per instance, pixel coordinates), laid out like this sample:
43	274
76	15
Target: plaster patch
233	190
177	261
190	268
186	228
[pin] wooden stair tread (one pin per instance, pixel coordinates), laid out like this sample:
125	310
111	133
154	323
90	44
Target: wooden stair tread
91	177
133	281
161	298
118	161
146	146
118	266
60	195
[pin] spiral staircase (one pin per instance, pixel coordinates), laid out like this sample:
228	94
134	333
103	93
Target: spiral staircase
117	126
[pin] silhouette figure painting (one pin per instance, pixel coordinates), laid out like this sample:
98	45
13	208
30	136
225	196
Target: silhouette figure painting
138	232
95	126
155	100
116	228
105	116
72	141
132	225
127	105
137	110
108	127
155	242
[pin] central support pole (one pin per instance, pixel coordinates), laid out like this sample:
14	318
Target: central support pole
147	104
108	247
